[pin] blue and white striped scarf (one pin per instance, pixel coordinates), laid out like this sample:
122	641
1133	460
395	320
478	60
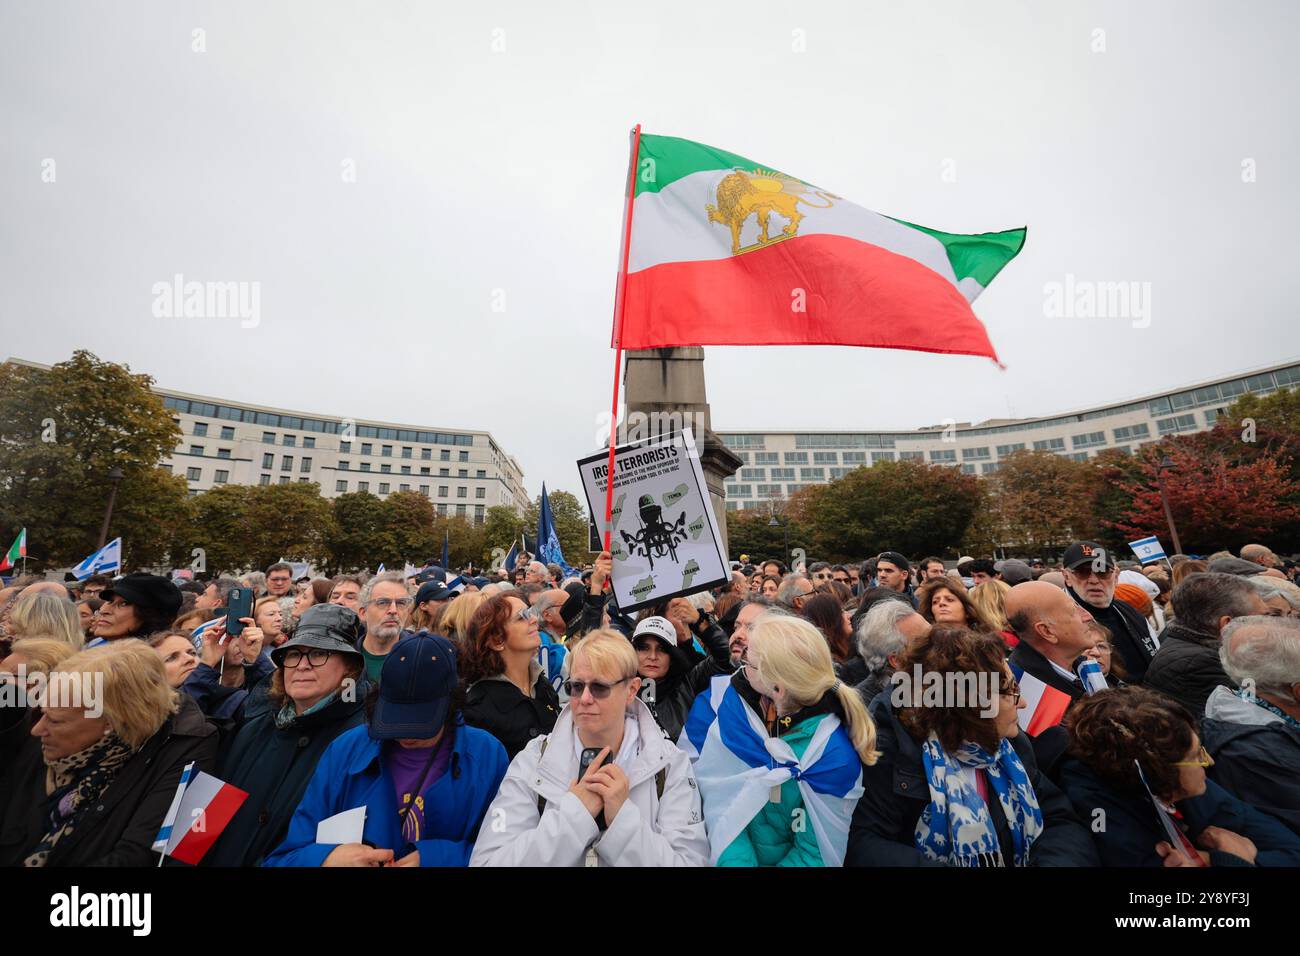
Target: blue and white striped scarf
956	828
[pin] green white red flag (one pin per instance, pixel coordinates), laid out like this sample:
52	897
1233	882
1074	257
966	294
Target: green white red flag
16	551
726	251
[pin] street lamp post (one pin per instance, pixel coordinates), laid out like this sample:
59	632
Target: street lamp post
785	526
1166	464
114	478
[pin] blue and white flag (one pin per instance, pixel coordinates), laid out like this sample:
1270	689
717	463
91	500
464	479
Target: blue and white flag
548	541
512	557
739	766
196	635
380	569
108	558
165	833
1148	549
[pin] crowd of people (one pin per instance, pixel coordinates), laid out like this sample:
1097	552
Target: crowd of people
884	713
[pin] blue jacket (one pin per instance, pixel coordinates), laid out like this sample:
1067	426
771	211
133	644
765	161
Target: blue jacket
351	774
218	703
1132	828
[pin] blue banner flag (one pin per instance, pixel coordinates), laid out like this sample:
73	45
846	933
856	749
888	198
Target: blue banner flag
548	541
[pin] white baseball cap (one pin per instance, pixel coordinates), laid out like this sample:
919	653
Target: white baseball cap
659	627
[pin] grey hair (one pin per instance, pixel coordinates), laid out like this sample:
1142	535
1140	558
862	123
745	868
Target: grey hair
789	589
390	576
1264	650
256	580
1202	599
1272	587
225	584
878	634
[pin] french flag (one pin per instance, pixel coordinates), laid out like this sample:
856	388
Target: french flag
202	807
1044	704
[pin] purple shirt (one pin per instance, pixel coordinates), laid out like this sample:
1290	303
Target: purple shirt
407	765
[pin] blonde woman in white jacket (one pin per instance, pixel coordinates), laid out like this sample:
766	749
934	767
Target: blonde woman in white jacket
636	805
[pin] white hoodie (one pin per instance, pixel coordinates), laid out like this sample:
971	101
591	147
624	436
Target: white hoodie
647	831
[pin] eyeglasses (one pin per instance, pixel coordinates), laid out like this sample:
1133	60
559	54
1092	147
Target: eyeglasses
821	576
385	603
527	614
599	690
316	657
1088	571
1012	690
1203	759
841	580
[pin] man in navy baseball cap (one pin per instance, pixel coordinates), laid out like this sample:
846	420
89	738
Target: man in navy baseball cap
415	688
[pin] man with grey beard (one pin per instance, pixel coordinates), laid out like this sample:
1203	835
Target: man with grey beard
385	608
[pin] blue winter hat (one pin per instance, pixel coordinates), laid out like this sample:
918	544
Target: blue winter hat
415	688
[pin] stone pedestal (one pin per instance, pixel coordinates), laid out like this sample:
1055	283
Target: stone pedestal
667	386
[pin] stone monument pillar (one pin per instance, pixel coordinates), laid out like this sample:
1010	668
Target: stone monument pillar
667	386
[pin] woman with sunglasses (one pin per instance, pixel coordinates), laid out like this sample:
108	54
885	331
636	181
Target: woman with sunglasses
604	787
506	692
957	783
1115	732
316	693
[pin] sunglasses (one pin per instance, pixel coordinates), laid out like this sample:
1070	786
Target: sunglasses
599	690
526	614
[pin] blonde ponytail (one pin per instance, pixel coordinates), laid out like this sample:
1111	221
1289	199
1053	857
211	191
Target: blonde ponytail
793	654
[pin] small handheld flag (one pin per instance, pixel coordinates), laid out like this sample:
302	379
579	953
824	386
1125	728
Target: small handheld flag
1148	549
16	551
202	807
106	559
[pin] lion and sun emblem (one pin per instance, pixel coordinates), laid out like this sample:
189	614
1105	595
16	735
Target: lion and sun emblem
761	193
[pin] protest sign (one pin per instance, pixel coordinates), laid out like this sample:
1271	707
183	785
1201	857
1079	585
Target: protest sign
665	540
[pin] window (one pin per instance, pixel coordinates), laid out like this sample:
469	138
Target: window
462	456
460	510
881	456
1090	440
1078	456
444	454
988	468
838	473
444	472
740	491
424	490
733	505
406	452
949	455
200	429
196	450
383	487
796	458
855	457
968	469
286	464
341	485
812	474
442	491
265	480
462	472
386	451
478	514
268	438
268	460
1182	423
288	441
285	479
1159	406
461	491
345	447
227	433
1212	415
769	491
975	454
386	469
743	456
363	486
1123	449
304	481
306	465
223	452
403	487
826	458
754	474
480	473
1050	444
365	466
1132	433
442	511
194	474
426	454
480	492
779	474
167	468
308	442
367	448
424	470
344	465
406	469
911	455
766	458
1008	449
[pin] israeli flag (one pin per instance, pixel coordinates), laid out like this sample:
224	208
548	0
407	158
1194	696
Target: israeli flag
739	766
1148	549
108	558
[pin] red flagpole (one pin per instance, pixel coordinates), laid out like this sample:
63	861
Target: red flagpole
620	306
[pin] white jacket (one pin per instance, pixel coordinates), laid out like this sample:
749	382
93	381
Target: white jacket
647	831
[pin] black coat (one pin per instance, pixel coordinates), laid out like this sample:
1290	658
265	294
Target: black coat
1187	667
120	828
1129	633
274	766
1048	744
688	674
883	829
510	716
1257	763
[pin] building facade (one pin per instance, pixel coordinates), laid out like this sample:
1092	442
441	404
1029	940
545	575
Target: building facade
777	464
224	442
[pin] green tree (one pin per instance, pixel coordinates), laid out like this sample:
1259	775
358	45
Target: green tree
501	529
409	518
62	431
1035	502
221	522
750	532
241	527
905	506
360	532
465	541
570	523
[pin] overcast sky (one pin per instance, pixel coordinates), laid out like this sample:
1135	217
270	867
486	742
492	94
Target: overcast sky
489	143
